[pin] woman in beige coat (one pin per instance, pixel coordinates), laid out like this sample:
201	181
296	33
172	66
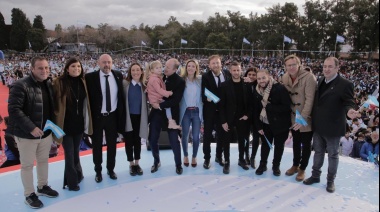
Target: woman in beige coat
73	115
301	85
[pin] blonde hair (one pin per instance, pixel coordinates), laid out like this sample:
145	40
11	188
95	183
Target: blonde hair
184	72
215	56
148	69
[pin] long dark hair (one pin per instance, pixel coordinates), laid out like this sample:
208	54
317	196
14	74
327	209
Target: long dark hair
129	75
64	78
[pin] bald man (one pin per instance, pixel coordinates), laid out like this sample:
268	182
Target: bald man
105	91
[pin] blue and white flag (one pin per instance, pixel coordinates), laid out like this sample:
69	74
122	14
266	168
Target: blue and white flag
287	39
183	41
81	44
211	96
160	43
270	145
143	43
58	132
30	45
246	41
58	44
299	119
371	157
339	39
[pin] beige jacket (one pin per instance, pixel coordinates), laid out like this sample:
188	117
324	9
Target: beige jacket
60	109
302	93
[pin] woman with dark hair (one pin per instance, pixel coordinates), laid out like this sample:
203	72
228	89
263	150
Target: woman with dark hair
72	110
251	73
136	117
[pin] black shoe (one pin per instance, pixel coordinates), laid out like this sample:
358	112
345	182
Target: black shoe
207	164
138	170
220	161
311	180
243	164
226	168
276	171
33	201
179	170
252	162
47	191
75	188
261	169
112	175
330	187
155	167
98	178
132	170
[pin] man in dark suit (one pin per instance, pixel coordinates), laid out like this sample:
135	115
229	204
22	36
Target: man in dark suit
157	116
333	101
212	80
235	109
105	91
272	119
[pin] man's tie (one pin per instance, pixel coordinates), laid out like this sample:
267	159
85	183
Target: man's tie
108	95
218	80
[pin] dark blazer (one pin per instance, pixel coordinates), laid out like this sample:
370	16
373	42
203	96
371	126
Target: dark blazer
208	81
330	109
278	109
227	104
96	98
176	84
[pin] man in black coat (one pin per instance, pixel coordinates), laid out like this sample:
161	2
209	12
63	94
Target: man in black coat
333	102
212	80
272	118
235	109
157	116
105	91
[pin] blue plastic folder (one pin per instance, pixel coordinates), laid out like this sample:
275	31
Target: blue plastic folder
211	96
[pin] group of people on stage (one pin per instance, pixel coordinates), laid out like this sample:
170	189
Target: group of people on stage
104	102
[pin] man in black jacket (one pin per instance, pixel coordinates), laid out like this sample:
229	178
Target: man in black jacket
272	118
157	117
333	102
212	80
105	91
235	109
30	105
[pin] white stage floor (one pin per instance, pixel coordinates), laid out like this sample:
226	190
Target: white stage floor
198	189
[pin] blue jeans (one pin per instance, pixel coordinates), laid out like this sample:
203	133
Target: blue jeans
321	144
191	117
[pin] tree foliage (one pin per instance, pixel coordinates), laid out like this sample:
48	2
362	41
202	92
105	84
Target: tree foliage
20	27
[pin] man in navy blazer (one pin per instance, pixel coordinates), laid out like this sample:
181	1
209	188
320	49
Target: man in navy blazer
333	102
108	119
211	120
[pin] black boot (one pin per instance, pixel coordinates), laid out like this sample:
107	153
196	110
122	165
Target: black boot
262	168
276	170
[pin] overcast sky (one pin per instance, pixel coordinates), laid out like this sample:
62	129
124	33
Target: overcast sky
125	13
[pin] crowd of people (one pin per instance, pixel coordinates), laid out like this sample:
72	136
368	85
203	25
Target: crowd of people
235	98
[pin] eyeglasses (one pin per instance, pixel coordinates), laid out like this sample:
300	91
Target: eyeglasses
291	65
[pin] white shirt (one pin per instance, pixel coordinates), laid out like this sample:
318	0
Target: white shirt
113	90
134	83
347	145
216	77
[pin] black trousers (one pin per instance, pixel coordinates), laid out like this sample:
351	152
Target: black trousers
73	170
211	123
279	143
301	148
8	163
237	132
133	140
255	142
108	124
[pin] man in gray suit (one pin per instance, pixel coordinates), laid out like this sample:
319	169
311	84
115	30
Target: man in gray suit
333	102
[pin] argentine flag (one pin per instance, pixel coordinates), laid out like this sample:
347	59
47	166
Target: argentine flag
58	132
300	119
211	96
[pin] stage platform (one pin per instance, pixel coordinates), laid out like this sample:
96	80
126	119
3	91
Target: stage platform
198	189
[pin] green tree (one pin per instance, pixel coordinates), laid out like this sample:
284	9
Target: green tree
3	38
20	27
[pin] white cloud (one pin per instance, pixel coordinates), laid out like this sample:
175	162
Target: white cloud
127	13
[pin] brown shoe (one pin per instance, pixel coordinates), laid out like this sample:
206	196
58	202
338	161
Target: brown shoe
300	175
292	171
